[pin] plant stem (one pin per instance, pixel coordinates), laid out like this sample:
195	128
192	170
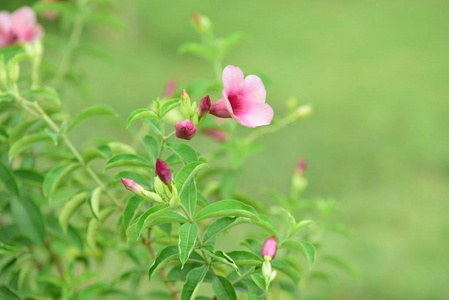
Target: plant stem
243	276
147	243
54	258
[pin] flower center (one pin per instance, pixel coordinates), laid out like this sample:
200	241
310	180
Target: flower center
236	104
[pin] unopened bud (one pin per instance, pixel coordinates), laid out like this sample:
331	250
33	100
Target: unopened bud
301	167
185	105
174	202
185	96
152	196
159	186
170	88
132	186
13	71
204	107
269	249
185	129
304	111
163	171
202	23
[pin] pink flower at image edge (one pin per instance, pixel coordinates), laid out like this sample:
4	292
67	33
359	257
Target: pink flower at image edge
20	26
243	99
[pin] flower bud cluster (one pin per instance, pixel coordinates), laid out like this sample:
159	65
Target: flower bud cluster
269	249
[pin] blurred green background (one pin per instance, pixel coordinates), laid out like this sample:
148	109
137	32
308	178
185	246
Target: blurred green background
377	74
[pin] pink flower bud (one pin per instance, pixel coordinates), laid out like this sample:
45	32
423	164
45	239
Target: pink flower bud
302	166
216	134
132	186
204	106
170	88
185	129
269	248
163	171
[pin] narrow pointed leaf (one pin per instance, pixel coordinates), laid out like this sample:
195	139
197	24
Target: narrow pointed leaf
167	254
187	237
151	145
55	176
26	142
69	209
186	173
188	197
94	202
285	268
221	225
169	105
141	114
186	153
227	208
130	209
29	219
245	258
8	180
90	112
124	159
148	216
223	289
194	279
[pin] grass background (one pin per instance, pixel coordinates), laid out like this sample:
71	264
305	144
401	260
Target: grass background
377	74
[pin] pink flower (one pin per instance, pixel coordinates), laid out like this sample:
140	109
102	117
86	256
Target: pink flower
216	134
243	99
204	106
185	129
132	186
269	248
163	171
20	26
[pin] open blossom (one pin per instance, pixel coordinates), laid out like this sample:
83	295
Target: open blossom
243	99
269	248
163	171
20	26
185	129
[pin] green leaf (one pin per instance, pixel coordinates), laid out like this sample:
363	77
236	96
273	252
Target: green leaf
303	247
258	280
8	180
92	231
55	176
167	217
187	236
302	224
26	142
6	293
223	289
94	202
29	219
20	130
245	258
141	114
266	224
194	279
222	257
168	106
167	254
154	125
125	159
69	209
188	197
219	226
227	208
148	216
130	209
47	93
186	173
178	274
285	268
151	145
204	51
107	19
92	153
96	110
186	153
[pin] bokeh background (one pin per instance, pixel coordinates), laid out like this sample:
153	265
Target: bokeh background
377	75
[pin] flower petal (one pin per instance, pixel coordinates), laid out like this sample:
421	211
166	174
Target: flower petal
253	90
256	114
22	21
219	109
232	79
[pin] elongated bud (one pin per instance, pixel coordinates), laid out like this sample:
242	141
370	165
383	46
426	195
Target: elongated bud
185	105
301	167
132	186
13	72
170	88
201	23
159	186
185	129
269	249
204	106
152	196
216	134
185	96
163	171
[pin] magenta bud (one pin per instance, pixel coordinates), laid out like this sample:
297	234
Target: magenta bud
170	88
204	106
302	166
216	134
269	248
132	186
185	129
163	171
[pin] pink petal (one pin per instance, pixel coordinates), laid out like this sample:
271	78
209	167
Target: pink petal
22	20
232	79
5	22
253	90
255	114
219	109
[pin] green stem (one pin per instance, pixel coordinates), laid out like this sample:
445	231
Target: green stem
243	276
